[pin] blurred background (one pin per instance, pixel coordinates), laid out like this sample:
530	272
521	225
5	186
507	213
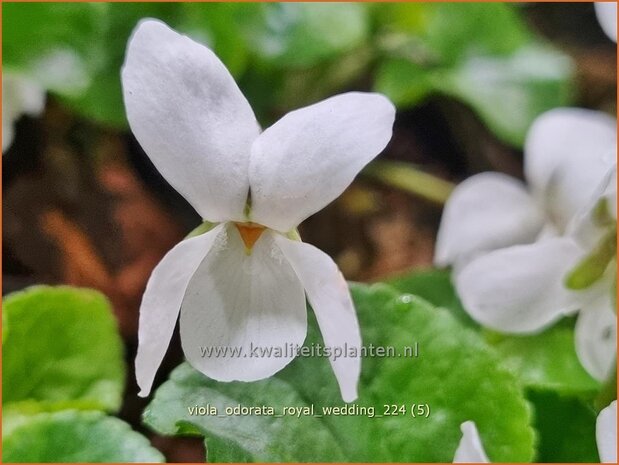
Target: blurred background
83	205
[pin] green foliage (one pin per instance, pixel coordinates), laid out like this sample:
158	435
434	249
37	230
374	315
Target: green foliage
287	55
61	345
261	438
435	287
455	374
303	34
75	436
481	54
63	368
547	361
566	427
56	44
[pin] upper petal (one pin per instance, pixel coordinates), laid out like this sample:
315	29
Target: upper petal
243	316
330	298
307	158
606	433
470	448
486	212
191	119
162	301
519	289
568	152
596	335
606	13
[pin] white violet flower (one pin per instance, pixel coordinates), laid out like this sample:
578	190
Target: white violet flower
243	283
20	96
515	246
471	450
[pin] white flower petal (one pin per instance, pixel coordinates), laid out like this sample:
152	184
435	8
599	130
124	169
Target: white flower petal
191	119
470	448
307	158
485	212
606	433
519	289
583	227
237	301
568	152
596	335
329	296
606	13
162	301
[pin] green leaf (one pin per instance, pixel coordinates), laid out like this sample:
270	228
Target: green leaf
459	377
61	345
481	54
406	83
434	286
456	374
547	361
55	44
303	34
102	101
240	437
509	92
75	436
566	429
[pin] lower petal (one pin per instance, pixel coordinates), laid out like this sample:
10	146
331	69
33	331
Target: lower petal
596	336
162	302
470	448
244	315
330	298
519	289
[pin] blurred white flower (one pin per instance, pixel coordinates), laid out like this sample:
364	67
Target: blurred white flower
242	284
606	13
20	96
606	433
471	450
513	246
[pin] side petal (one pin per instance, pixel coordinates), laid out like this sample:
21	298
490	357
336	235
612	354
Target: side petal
243	316
485	212
568	152
596	336
519	289
606	433
329	296
470	448
307	158
191	119
162	301
606	13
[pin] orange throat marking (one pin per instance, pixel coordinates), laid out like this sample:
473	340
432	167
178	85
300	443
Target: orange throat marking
250	233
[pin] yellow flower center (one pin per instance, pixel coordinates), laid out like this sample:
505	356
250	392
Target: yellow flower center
250	233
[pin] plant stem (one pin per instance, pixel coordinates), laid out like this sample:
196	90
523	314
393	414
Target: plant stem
407	177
